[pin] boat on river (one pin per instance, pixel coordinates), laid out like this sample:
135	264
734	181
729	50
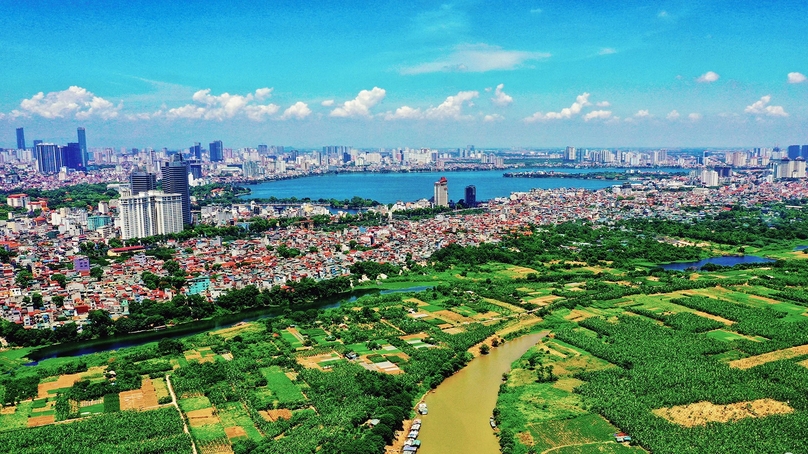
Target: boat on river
422	408
492	422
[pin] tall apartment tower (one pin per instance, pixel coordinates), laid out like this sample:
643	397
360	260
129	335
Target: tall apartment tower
20	139
140	181
471	196
72	156
442	192
150	213
83	146
216	151
48	158
175	181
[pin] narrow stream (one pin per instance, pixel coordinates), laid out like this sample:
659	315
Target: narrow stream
460	407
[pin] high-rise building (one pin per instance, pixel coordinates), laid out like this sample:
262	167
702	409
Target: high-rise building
83	146
804	152
150	213
442	192
570	154
48	158
36	142
140	181
20	139
263	150
216	151
71	156
175	181
793	152
196	151
196	168
471	196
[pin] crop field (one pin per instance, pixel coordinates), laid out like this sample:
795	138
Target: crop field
281	386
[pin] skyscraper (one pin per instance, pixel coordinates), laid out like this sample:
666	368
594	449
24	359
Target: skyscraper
793	152
150	213
48	158
71	156
804	152
442	192
471	196
216	151
20	139
175	181
83	146
140	181
196	151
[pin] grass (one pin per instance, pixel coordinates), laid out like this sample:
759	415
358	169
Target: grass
581	430
92	409
280	385
208	432
13	358
233	414
160	387
291	338
18	419
194	403
729	336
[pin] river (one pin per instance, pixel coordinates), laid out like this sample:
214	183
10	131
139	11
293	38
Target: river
460	407
392	187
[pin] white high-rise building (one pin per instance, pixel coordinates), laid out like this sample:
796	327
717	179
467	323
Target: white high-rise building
709	178
150	213
442	192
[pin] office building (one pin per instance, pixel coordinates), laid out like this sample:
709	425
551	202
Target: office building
570	154
36	142
48	157
196	151
83	146
216	151
793	152
709	178
20	139
175	181
442	192
140	181
195	168
804	152
150	213
471	196
72	156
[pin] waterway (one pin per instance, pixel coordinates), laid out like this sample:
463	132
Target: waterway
393	187
191	328
726	260
460	407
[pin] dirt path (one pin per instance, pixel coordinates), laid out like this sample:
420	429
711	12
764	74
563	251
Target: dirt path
177	406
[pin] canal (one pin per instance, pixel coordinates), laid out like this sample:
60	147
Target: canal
460	407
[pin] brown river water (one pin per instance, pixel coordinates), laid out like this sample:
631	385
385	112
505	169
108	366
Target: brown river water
460	407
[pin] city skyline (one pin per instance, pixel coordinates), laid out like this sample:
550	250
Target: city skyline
428	74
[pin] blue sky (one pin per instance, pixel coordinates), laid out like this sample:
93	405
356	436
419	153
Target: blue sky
390	73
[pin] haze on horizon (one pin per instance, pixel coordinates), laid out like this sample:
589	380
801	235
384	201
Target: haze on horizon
380	74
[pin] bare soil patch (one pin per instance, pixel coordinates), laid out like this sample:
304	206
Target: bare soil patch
140	399
700	413
453	330
203	417
235	432
8	410
567	384
752	361
544	300
37	421
452	316
66	381
803	363
526	438
274	415
714	317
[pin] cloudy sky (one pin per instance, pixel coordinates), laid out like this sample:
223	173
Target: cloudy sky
390	73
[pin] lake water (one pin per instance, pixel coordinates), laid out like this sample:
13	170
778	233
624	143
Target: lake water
460	407
726	260
393	187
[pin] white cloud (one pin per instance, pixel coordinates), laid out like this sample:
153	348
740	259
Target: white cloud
297	111
762	107
603	104
452	106
598	115
796	78
327	103
75	101
708	77
535	11
567	112
694	116
477	58
642	114
663	14
224	106
360	106
673	115
500	98
404	113
492	118
607	51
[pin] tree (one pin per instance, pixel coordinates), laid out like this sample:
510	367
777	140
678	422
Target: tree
96	272
24	279
169	346
61	279
484	349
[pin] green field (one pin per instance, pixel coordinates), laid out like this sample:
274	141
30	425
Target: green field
194	403
280	385
233	414
584	434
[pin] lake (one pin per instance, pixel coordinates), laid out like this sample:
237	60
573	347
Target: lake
726	260
392	187
460	407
